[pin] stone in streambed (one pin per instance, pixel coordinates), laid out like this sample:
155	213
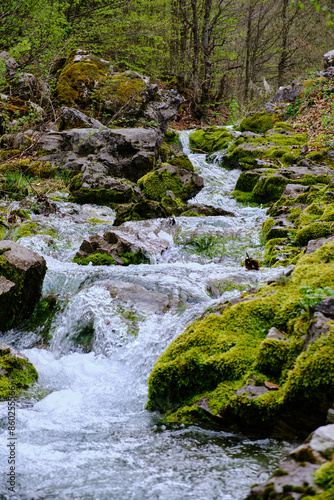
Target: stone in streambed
25	270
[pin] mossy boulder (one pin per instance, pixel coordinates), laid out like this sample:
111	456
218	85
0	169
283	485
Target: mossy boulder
81	74
269	188
183	183
119	89
22	274
312	231
218	354
146	209
211	139
16	372
258	122
102	190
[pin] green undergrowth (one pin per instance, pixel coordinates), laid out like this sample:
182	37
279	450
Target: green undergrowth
220	353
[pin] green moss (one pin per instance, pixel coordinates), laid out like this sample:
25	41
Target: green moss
182	161
172	137
78	79
211	139
247	181
312	231
220	350
269	189
15	372
133	258
26	229
274	356
97	259
258	122
155	184
324	477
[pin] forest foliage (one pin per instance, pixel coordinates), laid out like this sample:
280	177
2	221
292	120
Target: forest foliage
220	54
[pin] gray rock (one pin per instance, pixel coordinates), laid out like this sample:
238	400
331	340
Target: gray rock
252	391
294	190
163	108
326	307
313	245
330	416
73	118
144	239
276	334
26	270
318	326
134	295
329	59
288	93
11	64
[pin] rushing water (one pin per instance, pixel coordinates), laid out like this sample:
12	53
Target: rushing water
90	437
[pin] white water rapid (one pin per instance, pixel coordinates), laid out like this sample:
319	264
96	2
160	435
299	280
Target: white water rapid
90	436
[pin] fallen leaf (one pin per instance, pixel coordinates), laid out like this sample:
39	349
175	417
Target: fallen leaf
271	385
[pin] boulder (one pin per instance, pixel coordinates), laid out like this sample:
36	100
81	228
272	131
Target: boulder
129	244
328	59
94	185
288	94
73	118
126	153
16	372
183	183
89	82
146	209
79	76
22	274
134	295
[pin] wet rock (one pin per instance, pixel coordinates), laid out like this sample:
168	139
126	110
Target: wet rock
146	209
295	478
130	244
133	295
26	270
207	210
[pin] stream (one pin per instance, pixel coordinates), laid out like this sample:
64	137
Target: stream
90	436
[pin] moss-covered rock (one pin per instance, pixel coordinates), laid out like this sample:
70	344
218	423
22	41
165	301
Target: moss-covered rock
16	372
25	270
108	191
211	139
258	122
183	183
219	353
269	189
81	74
312	231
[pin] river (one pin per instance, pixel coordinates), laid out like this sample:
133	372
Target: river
90	436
